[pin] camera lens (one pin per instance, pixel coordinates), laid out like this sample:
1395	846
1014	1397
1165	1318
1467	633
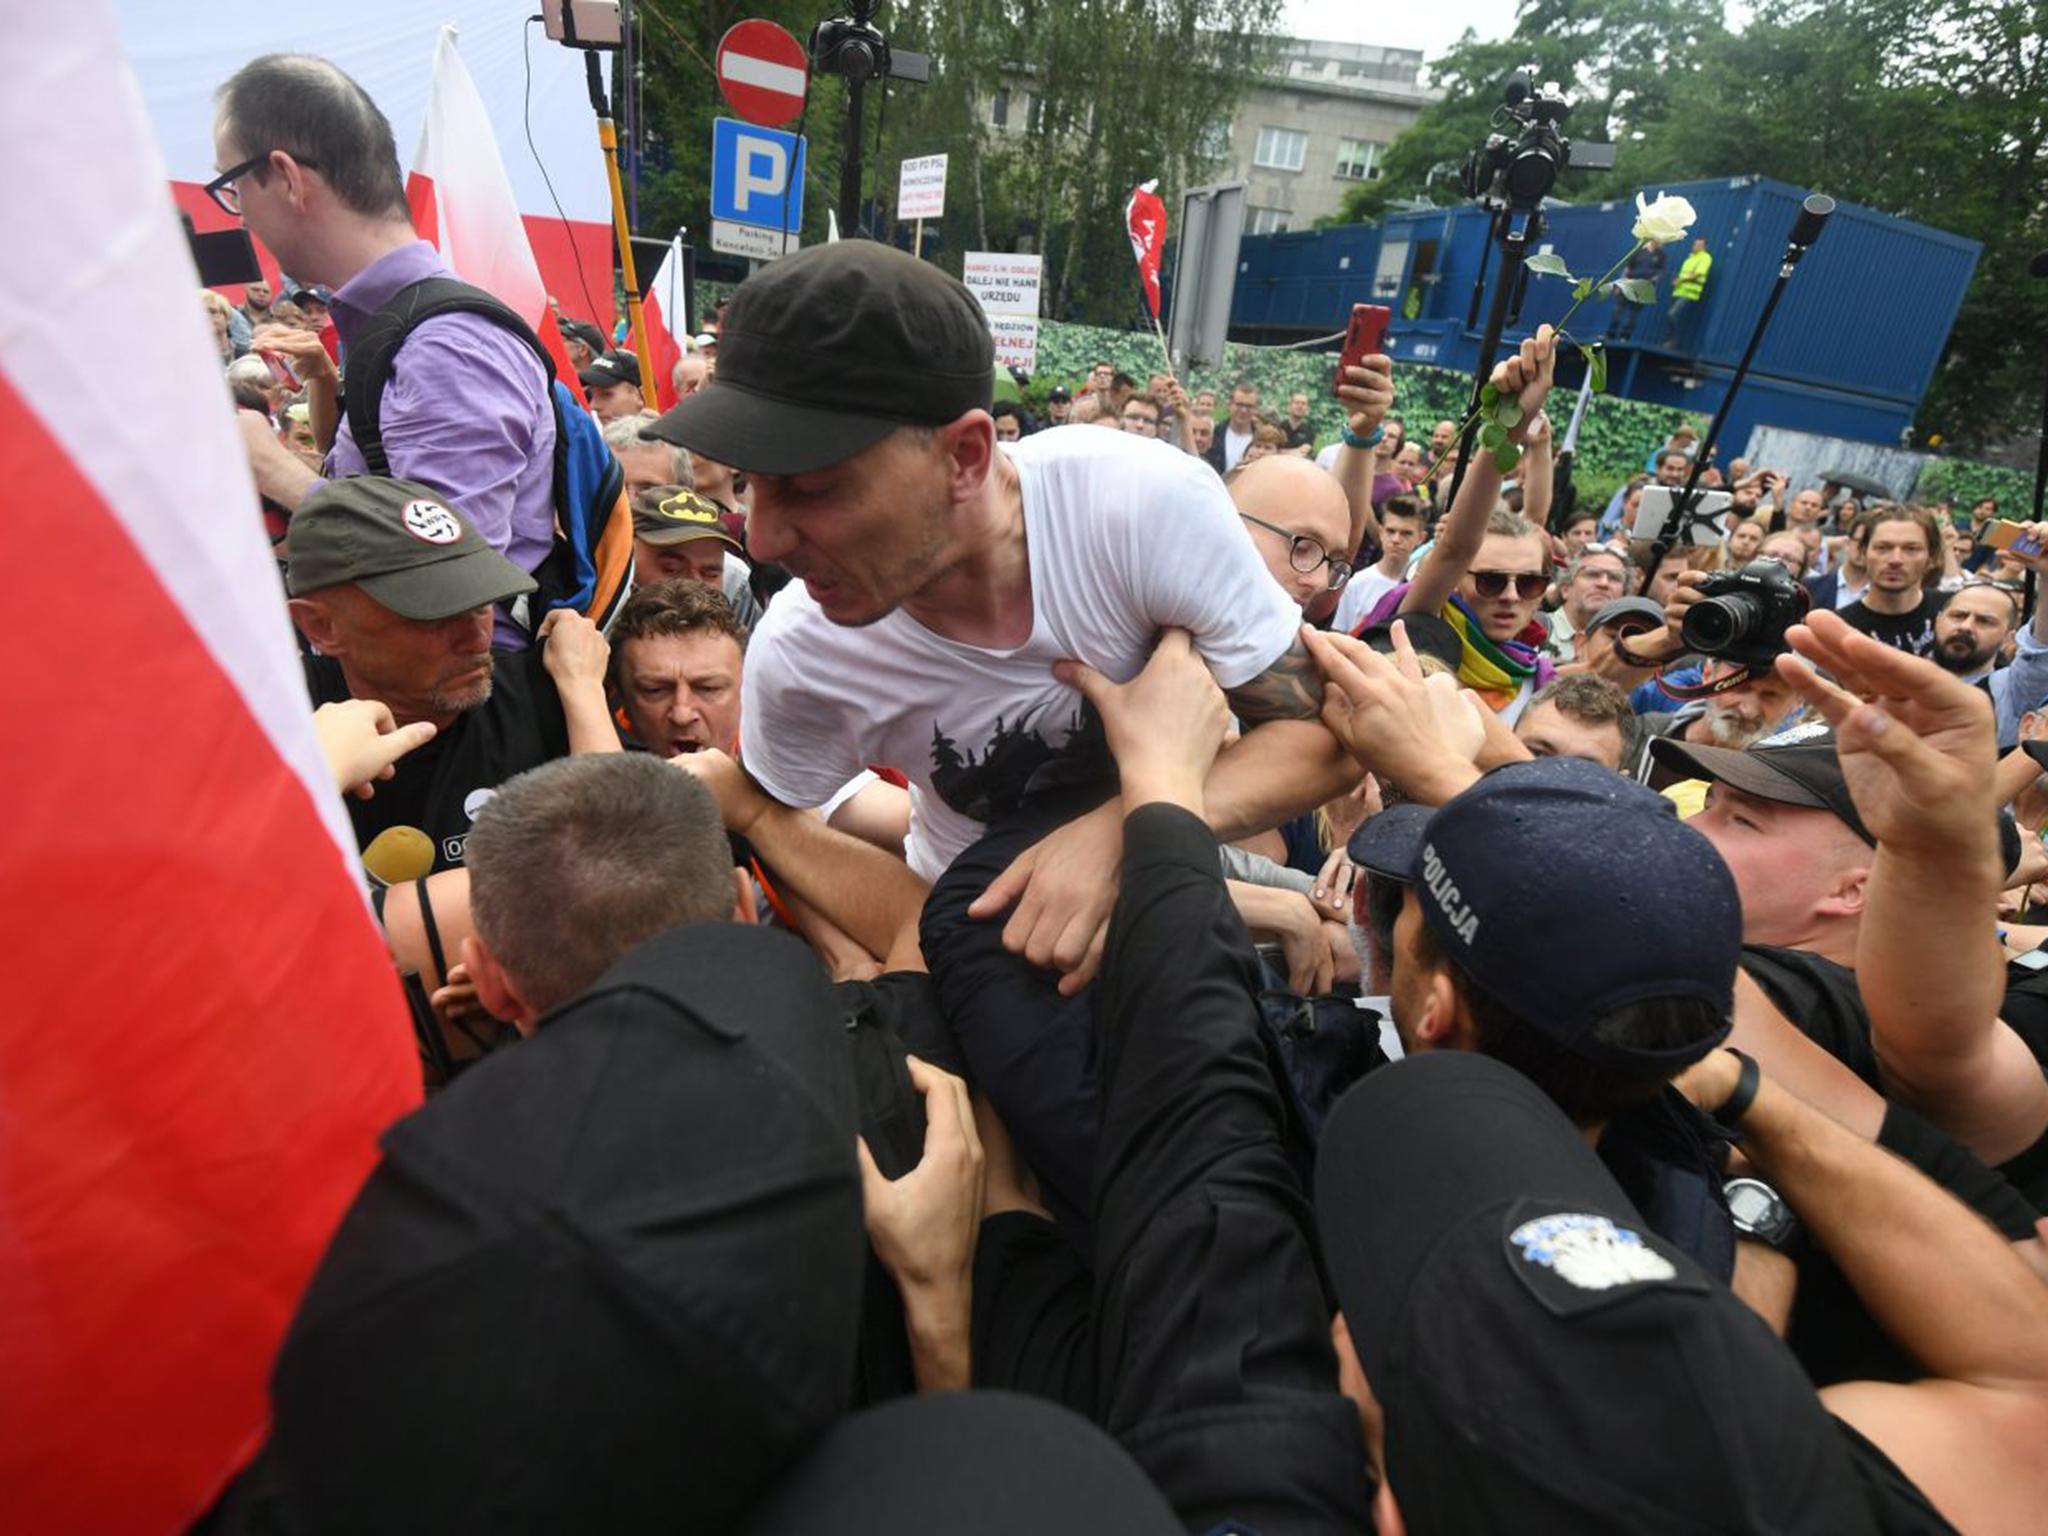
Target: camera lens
1714	625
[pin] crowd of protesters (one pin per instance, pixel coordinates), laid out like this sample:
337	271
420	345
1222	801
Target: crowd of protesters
1030	978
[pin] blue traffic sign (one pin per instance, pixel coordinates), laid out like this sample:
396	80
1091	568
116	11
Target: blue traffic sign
753	171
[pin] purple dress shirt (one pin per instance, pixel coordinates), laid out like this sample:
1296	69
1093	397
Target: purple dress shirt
466	411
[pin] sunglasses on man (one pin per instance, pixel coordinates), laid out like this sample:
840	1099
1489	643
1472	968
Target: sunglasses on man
1527	584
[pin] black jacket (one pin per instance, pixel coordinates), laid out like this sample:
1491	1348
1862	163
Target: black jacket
1213	1350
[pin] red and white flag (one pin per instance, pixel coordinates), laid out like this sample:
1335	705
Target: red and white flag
665	311
203	1034
1145	220
462	203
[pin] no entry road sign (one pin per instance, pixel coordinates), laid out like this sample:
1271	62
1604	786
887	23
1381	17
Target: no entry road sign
763	72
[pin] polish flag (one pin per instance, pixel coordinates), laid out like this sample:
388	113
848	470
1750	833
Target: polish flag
665	311
462	203
203	1035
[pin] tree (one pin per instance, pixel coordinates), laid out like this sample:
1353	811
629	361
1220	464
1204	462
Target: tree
1120	91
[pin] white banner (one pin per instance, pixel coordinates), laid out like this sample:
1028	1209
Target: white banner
921	188
1002	283
1016	338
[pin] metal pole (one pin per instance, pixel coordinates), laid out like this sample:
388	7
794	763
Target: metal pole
608	139
1514	244
849	160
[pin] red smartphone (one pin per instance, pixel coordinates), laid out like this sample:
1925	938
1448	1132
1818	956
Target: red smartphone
1368	324
281	369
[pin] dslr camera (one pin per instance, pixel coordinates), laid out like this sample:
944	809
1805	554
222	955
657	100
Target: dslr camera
1742	616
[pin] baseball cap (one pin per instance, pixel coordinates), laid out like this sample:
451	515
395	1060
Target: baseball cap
1626	608
609	1279
827	352
1430	634
585	332
1798	766
1571	825
995	1463
681	517
611	368
1387	843
314	292
402	544
1544	1361
1060	392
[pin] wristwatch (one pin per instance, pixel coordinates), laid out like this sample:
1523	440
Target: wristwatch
1761	1213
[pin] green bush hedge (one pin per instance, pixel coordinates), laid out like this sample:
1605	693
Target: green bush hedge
1616	438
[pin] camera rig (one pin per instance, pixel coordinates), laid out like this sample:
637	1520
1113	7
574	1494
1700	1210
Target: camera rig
1516	169
853	48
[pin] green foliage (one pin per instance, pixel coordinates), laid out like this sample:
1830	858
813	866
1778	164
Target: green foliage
1122	92
1963	483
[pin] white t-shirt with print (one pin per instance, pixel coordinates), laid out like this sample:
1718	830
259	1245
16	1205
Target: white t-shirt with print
1125	536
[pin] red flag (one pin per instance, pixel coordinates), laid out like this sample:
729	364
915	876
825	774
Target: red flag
204	1036
1145	219
462	203
664	311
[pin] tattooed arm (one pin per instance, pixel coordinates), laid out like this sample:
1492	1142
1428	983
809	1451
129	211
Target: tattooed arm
1287	762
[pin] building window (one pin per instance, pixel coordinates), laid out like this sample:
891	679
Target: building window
999	109
1267	221
1358	159
1215	142
1281	149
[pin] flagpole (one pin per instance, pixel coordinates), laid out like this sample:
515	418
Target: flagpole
608	139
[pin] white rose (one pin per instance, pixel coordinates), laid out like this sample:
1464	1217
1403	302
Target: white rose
1664	221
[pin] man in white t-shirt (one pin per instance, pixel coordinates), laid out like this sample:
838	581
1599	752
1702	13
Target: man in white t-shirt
939	579
1237	431
1400	523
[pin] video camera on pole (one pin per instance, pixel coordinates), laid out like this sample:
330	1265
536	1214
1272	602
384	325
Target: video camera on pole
1517	170
853	48
1510	175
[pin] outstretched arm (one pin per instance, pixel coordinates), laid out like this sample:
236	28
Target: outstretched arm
1942	1283
1918	758
863	891
1525	377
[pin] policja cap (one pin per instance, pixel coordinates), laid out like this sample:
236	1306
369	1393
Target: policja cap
1544	1362
608	1280
827	352
402	544
1649	910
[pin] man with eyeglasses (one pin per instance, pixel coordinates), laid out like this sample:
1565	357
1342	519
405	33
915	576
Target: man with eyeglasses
307	162
1299	520
1971	633
1141	415
1597	575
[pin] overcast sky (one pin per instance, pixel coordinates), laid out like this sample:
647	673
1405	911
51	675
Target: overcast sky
1431	26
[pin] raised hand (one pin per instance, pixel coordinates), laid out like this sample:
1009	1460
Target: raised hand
1917	743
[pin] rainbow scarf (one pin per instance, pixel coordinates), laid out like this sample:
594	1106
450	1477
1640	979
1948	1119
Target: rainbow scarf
1496	672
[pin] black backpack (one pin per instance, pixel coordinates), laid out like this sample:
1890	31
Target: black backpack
590	568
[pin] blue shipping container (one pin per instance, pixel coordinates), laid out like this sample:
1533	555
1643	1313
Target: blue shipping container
1851	350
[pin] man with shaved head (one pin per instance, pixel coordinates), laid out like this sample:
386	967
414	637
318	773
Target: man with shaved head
1300	523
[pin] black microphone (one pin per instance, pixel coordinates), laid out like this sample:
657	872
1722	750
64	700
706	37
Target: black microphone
2038	267
1813	216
